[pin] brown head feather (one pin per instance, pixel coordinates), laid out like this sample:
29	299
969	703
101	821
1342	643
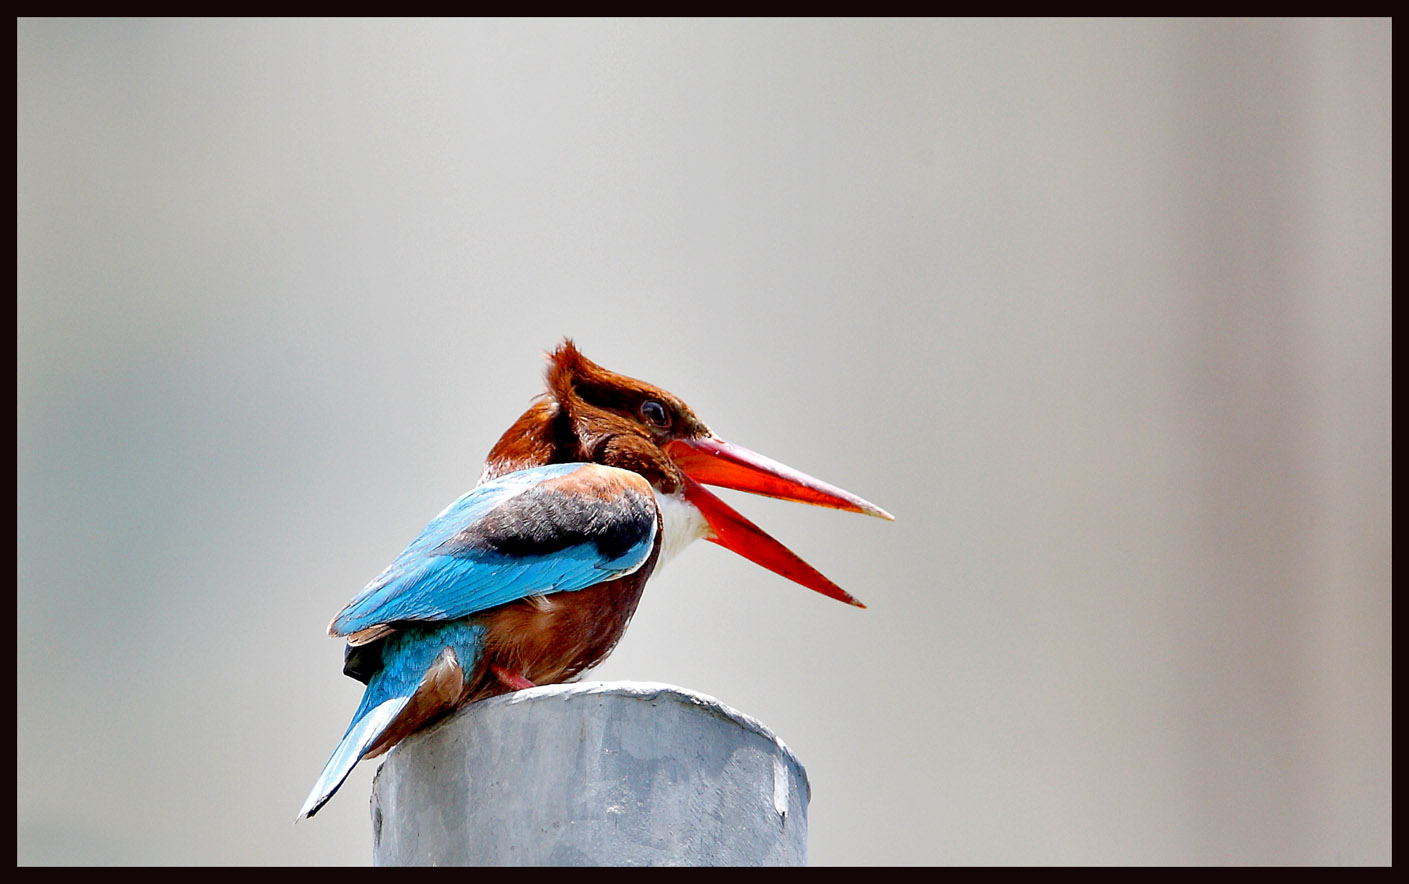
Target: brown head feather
592	414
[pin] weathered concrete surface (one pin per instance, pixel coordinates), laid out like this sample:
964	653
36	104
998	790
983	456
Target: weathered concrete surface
622	773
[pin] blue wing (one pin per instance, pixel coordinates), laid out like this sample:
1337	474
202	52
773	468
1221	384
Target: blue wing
548	529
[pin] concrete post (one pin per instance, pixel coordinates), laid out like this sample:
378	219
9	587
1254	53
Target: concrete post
622	773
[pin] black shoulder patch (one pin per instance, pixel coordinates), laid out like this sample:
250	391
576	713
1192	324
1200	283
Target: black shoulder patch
555	516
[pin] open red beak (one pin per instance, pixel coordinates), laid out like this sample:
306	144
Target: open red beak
716	462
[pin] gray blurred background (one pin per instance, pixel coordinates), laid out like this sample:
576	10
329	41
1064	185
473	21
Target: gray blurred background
1100	310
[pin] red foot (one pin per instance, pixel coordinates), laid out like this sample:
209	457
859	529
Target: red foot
512	679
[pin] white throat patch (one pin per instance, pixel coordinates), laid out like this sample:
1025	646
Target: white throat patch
683	524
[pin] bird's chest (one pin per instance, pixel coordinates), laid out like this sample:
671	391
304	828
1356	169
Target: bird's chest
549	639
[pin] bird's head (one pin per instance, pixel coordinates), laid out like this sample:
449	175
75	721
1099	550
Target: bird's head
592	414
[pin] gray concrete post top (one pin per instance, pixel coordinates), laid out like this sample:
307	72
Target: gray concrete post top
594	773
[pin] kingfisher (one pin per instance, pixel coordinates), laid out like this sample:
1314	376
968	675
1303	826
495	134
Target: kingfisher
531	577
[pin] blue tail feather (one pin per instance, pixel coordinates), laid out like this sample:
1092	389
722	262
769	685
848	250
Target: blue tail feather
406	658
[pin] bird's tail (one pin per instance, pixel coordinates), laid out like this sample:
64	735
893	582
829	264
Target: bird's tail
370	722
422	675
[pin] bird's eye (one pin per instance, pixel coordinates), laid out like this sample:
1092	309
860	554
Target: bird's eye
655	414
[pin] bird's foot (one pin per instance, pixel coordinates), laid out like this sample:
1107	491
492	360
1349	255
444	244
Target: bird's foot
511	679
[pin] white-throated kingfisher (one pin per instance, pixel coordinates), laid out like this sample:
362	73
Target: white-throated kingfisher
532	576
